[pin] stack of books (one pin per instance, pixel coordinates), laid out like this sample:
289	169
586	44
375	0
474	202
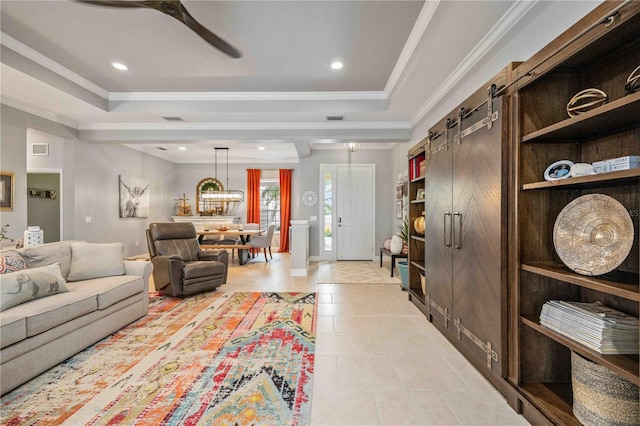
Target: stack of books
598	327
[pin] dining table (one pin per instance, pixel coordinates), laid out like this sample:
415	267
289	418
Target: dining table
245	237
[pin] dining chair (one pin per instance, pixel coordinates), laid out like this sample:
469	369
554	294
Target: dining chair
264	242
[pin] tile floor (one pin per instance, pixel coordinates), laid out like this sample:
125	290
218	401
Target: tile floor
370	342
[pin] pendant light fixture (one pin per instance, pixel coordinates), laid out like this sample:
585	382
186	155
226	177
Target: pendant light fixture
221	195
352	146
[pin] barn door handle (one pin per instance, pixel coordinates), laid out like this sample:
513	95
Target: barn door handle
447	235
457	235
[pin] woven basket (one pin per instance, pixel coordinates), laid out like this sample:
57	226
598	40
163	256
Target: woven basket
601	397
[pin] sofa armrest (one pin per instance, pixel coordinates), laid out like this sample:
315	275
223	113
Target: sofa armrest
143	269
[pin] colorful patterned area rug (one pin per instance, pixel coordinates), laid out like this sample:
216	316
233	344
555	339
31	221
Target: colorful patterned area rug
216	358
361	272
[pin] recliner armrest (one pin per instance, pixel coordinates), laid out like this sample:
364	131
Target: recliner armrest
167	274
216	255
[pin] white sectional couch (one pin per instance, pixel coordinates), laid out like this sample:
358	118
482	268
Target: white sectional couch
41	333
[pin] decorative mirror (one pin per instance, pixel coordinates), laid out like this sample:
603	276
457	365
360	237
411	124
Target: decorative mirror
207	204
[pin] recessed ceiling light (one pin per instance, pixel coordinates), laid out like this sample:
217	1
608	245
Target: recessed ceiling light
261	148
119	66
182	148
337	65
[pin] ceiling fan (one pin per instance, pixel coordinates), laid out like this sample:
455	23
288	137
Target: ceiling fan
175	9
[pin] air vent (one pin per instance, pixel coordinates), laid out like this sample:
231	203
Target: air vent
40	149
172	119
161	148
335	117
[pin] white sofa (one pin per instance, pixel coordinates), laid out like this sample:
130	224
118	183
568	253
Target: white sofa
41	333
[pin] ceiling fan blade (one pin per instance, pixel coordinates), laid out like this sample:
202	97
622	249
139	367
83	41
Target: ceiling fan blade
113	3
175	9
186	18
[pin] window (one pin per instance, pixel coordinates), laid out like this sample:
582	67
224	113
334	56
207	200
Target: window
328	211
269	199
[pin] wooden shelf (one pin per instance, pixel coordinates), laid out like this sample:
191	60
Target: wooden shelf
555	400
559	272
418	264
417	201
418	179
414	237
610	117
592	180
624	365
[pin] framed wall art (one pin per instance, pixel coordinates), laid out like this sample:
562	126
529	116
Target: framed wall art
134	197
7	184
399	209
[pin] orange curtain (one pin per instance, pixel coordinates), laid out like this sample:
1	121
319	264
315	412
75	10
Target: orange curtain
285	208
253	195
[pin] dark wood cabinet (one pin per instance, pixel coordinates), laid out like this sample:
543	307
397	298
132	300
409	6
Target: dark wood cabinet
599	52
465	250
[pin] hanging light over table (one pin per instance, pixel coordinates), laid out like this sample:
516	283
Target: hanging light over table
221	195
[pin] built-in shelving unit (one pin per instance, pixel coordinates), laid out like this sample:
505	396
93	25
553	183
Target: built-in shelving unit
543	133
416	209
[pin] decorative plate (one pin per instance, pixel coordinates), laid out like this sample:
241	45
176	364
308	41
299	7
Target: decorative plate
593	234
558	170
309	198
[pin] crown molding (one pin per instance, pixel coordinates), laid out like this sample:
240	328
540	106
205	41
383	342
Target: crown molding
249	126
499	30
39	112
246	96
50	64
426	14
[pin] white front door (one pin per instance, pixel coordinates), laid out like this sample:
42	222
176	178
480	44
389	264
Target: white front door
355	212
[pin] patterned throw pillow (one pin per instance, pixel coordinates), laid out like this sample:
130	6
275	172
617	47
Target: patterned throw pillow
22	286
11	261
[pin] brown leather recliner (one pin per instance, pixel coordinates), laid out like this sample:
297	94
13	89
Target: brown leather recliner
180	268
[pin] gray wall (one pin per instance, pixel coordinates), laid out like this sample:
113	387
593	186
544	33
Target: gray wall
545	21
45	212
13	158
90	182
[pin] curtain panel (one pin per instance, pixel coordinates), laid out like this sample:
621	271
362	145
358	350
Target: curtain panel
285	208
253	196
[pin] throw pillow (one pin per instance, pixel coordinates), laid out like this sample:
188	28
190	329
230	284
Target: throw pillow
92	260
11	261
22	286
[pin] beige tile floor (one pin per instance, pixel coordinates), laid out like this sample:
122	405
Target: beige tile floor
378	360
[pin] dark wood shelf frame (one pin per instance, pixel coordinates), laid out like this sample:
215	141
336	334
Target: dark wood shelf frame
623	365
617	114
559	272
553	399
620	176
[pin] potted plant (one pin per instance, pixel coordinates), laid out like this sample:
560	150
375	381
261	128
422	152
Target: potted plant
403	265
403	233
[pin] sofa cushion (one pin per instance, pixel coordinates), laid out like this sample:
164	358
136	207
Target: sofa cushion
13	327
47	254
11	261
22	286
90	260
49	312
109	290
